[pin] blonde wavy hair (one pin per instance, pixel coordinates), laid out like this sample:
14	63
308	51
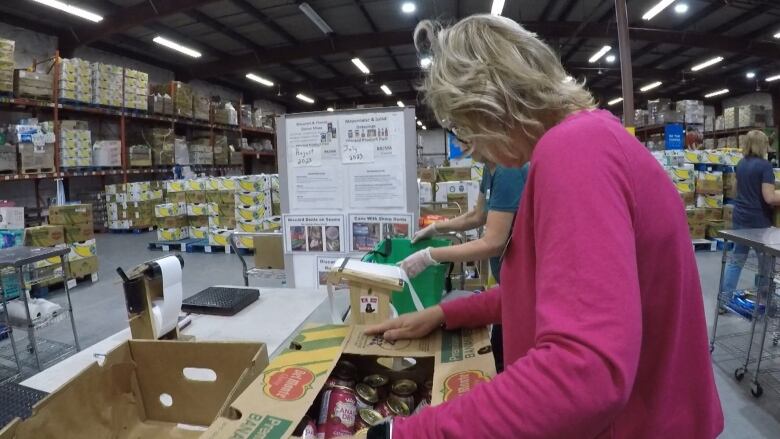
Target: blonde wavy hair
490	77
756	144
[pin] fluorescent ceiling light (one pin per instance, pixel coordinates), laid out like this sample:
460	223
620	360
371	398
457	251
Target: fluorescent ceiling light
304	98
681	8
408	7
259	79
610	58
773	78
750	75
655	10
419	124
424	127
70	9
717	93
707	63
425	62
386	89
331	109
400	104
497	7
601	52
177	47
359	64
568	79
615	101
315	18
777	35
651	86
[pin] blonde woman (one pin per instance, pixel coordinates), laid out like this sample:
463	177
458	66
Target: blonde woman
756	197
604	330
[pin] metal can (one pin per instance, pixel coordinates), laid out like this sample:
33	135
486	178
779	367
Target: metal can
337	413
367	418
366	396
404	390
424	396
378	382
392	406
421	406
343	375
306	429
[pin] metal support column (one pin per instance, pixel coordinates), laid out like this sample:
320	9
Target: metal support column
626	73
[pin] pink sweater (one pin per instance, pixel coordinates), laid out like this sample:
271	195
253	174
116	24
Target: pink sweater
604	331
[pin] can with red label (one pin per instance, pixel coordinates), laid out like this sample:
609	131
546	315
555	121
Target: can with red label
404	390
378	382
367	418
392	407
343	375
337	413
306	429
366	396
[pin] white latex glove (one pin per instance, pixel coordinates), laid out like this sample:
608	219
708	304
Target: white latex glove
417	262
426	232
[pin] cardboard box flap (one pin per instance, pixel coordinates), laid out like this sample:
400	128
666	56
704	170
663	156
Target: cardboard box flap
464	360
362	344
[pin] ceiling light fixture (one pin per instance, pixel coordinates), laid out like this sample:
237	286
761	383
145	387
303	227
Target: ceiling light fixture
610	58
772	78
359	64
408	7
331	109
424	127
707	63
601	52
750	75
386	89
681	8
651	86
777	35
655	10
419	124
425	62
177	47
259	79
614	101
717	93
497	7
315	18
70	9
568	79
400	104
304	98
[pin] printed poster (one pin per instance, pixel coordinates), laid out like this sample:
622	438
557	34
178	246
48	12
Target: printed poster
324	264
312	151
368	230
314	234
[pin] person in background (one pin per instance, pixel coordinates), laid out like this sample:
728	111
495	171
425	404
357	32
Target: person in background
499	195
600	297
756	198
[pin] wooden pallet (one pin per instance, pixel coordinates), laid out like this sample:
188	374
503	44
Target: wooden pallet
7	171
135	231
37	170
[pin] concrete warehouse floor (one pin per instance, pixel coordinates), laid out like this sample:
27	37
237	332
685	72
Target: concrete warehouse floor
100	312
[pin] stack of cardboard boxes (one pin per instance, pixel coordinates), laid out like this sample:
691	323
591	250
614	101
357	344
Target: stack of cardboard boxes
684	181
200	151
171	216
106	85
6	66
35	144
136	91
33	85
161	141
131	206
75	83
201	107
78	233
46	236
709	189
7	156
221	150
199	210
107	154
182	99
11	235
75	144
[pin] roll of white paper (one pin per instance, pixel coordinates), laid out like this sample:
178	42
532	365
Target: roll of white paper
165	311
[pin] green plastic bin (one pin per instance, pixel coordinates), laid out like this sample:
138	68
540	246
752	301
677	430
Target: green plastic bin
429	284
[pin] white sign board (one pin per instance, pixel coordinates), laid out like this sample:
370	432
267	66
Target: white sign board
368	230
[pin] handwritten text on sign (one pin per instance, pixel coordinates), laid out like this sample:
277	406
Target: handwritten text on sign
354	152
308	156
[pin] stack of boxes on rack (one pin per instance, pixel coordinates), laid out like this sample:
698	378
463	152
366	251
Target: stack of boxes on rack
200	151
201	107
106	85
34	85
75	220
46	236
130	206
136	96
11	235
75	82
161	142
6	66
35	144
182	99
221	150
75	144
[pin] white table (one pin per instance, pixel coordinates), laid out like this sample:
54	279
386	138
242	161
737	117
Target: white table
272	319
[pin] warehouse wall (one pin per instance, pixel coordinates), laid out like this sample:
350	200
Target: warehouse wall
29	45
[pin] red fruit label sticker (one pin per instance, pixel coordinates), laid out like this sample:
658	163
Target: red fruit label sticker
461	382
288	383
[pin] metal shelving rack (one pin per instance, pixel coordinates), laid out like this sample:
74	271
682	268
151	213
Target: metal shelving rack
39	352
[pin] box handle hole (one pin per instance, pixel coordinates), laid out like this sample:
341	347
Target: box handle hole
166	400
199	374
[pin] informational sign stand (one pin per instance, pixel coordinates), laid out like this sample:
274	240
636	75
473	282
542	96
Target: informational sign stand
347	179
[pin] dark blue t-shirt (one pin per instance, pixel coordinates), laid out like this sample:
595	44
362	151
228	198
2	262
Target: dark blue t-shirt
750	209
502	189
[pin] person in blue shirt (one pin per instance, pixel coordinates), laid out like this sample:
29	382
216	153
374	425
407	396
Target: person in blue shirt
756	197
500	192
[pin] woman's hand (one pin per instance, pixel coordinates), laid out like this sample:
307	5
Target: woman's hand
426	232
409	326
417	262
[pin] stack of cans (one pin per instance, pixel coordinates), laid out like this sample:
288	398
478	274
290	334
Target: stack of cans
347	405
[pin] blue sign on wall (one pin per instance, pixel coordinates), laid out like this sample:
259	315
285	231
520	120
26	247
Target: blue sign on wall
674	136
454	149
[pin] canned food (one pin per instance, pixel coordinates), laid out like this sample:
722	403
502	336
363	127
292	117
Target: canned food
337	413
404	390
366	396
378	382
421	406
425	396
392	406
306	429
343	375
367	418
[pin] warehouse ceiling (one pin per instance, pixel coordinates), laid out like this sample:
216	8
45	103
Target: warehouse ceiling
276	40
